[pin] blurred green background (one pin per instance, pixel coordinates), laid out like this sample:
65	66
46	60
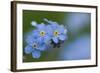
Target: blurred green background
68	19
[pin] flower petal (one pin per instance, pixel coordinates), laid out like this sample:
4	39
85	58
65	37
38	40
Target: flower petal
28	49
62	37
29	40
41	26
55	25
40	40
33	23
42	47
49	30
61	29
47	38
65	31
35	33
55	40
36	54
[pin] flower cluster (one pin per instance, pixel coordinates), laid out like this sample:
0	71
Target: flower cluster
44	36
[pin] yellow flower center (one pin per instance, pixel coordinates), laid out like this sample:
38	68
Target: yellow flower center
56	33
42	33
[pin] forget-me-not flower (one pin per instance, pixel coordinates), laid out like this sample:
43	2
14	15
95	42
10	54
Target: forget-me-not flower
34	46
42	33
58	31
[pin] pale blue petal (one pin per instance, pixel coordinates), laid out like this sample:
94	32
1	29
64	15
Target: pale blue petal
49	30
36	54
28	49
65	31
62	37
30	40
40	40
33	23
46	20
35	33
42	47
41	26
61	29
54	26
47	38
55	39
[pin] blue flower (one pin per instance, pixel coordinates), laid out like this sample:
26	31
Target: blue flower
41	38
58	31
34	46
42	33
